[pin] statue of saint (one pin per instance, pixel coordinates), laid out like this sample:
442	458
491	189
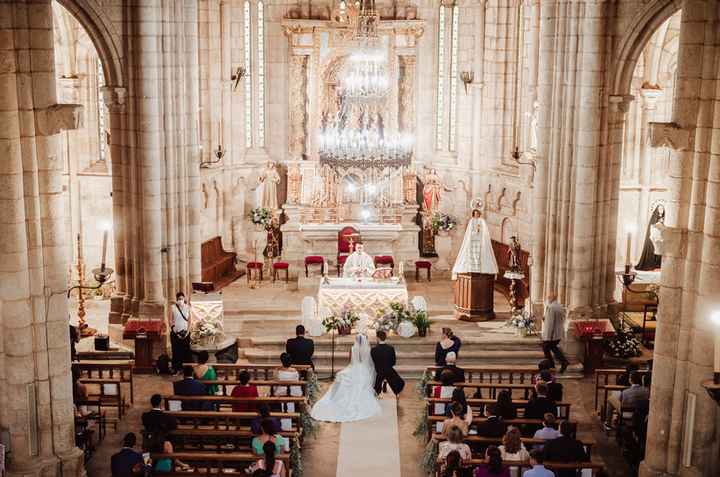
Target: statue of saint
270	179
476	252
534	118
432	191
514	255
649	260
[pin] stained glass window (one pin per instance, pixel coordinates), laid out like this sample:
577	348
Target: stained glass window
440	113
261	73
248	77
454	75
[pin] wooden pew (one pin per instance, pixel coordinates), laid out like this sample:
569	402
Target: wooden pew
227	401
523	466
105	399
563	407
121	369
104	355
231	371
228	420
496	374
218	266
212	463
603	379
494	387
225	384
528	441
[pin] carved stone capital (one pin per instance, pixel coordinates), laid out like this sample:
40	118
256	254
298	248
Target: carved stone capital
670	135
620	103
672	241
59	117
114	98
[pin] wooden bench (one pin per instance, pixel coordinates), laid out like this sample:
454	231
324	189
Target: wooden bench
114	354
218	266
231	371
228	419
526	388
227	401
104	398
212	463
528	441
563	410
272	384
121	369
496	374
523	466
602	385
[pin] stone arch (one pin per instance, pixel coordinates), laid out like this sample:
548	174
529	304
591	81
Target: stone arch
632	43
102	33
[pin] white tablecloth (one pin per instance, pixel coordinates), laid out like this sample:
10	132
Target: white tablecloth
367	296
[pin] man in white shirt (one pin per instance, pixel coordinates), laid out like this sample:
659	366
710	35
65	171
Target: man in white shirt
179	335
359	263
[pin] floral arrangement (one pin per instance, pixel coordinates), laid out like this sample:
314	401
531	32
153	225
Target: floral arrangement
443	221
430	457
260	216
344	322
522	320
296	458
313	390
390	320
622	345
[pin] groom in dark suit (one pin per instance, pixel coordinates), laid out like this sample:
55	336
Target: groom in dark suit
383	356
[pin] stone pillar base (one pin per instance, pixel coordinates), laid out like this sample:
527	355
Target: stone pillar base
71	463
646	471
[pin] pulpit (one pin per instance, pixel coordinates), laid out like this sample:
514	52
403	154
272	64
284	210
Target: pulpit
474	297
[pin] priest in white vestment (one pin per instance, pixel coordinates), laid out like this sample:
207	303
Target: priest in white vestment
476	252
358	263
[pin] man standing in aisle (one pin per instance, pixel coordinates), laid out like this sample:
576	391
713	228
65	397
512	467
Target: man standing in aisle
553	330
179	332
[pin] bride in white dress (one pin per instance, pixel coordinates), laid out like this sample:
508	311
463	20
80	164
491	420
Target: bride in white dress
351	397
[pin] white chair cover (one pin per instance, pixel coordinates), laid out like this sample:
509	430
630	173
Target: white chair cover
406	329
419	303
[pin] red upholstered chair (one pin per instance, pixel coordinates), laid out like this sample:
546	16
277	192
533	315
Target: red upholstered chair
344	245
422	264
277	266
257	266
314	260
384	261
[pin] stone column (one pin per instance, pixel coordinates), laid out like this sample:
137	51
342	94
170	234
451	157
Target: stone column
34	354
297	102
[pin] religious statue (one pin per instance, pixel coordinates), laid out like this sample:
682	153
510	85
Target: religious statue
649	260
359	263
273	247
294	183
514	256
534	118
432	191
270	179
476	252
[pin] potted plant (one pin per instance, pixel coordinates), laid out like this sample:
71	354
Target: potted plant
422	322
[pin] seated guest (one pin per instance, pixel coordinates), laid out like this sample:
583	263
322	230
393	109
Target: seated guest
555	389
244	390
205	372
512	448
627	399
457	372
128	462
447	385
540	404
538	469
268	433
493	426
624	378
157	420
287	373
504	405
300	349
548	432
543	365
453	466
493	466
80	394
454	442
263	414
448	343
273	467
458	396
189	386
457	419
565	449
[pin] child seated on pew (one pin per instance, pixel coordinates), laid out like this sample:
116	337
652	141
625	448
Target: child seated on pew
272	466
244	390
269	434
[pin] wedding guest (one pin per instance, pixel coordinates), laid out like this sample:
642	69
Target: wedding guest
627	399
300	349
493	426
156	419
179	332
504	405
512	448
448	343
454	442
543	365
273	466
458	374
540	404
565	449
205	372
549	431
555	389
458	396
287	373
538	469
268	433
189	386
453	466
244	390
80	394
553	331
493	466
447	385
457	419
128	462
263	414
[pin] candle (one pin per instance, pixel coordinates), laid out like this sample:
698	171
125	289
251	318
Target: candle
627	250
104	250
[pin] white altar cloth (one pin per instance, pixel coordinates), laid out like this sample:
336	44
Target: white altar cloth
367	296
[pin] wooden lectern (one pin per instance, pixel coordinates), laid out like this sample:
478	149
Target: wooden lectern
474	297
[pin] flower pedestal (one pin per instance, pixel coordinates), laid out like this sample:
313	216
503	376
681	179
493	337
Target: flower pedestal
443	246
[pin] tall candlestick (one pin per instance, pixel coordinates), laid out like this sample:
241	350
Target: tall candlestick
627	250
104	252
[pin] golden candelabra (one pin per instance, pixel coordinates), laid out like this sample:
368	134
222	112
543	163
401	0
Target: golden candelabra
81	280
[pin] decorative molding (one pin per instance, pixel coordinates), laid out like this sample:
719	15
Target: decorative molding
620	103
670	135
59	117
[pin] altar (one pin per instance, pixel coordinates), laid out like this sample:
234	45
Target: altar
366	296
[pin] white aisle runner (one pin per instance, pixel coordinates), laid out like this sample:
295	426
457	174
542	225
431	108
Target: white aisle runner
371	447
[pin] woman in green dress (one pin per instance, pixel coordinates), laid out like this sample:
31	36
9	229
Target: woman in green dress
205	372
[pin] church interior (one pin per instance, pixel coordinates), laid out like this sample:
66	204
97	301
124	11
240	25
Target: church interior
186	185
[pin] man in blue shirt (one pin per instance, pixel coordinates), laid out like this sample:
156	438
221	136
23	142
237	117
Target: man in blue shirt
189	386
128	462
538	469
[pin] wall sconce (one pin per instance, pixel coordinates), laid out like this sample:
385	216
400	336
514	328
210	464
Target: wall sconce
219	154
239	74
467	78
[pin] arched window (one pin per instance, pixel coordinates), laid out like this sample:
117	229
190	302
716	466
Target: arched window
254	55
447	76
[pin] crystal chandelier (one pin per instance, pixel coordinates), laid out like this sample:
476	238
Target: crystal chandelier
366	78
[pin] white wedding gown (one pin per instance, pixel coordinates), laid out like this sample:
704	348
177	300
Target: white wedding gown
351	397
